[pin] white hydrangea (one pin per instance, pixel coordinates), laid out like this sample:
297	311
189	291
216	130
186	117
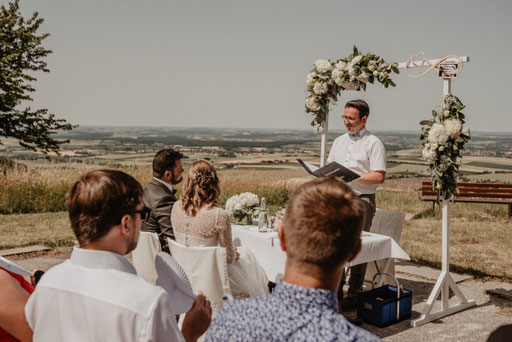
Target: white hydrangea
310	79
350	85
320	88
230	204
429	155
341	65
363	77
312	104
438	134
337	76
248	199
246	202
453	127
356	60
323	65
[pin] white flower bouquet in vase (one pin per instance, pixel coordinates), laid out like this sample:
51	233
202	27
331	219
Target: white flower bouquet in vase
242	207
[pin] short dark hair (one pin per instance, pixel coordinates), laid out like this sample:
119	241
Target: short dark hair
99	200
361	106
322	225
165	160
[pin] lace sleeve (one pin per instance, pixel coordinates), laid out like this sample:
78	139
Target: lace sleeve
224	234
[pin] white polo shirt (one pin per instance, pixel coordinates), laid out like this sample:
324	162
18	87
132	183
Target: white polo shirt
97	296
361	154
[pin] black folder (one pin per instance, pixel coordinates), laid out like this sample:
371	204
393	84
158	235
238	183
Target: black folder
331	169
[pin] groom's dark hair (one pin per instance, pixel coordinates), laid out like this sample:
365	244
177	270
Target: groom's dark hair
361	106
165	160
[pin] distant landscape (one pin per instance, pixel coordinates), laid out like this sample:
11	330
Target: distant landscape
487	157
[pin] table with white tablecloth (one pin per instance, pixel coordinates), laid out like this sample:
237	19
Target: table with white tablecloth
267	249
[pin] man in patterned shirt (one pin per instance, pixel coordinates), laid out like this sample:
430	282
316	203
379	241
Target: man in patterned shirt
320	233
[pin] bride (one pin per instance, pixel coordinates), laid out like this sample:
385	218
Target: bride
197	221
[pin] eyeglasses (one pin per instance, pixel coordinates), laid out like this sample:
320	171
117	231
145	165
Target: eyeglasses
144	213
351	119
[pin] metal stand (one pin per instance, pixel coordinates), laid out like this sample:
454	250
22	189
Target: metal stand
445	282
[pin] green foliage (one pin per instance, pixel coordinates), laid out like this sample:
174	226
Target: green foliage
443	141
22	54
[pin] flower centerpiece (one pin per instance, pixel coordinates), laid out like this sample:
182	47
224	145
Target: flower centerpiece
240	208
444	139
327	79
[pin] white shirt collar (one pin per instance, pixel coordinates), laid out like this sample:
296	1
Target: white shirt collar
169	186
359	134
101	259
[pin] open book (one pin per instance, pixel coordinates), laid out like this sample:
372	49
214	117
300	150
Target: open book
331	169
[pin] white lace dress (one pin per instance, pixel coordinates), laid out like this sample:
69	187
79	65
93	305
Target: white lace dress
210	228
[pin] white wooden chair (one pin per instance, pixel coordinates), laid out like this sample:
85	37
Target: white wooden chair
144	256
389	223
207	270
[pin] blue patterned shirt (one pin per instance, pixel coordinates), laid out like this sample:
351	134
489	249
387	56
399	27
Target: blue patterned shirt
290	313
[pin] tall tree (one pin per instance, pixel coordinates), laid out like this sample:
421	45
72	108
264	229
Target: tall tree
22	54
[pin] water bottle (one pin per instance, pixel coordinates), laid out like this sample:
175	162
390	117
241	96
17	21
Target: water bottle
262	217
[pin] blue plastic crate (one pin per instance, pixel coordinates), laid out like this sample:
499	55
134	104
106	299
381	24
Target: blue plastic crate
379	306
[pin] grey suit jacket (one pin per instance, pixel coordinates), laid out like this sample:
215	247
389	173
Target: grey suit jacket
160	199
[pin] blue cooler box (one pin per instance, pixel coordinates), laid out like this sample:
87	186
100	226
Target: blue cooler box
379	306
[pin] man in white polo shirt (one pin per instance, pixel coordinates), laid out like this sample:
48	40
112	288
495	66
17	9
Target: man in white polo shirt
364	153
96	295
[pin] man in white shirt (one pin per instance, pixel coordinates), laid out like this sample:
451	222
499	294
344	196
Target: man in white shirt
96	295
364	153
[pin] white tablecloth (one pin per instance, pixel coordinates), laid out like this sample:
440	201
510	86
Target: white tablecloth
267	249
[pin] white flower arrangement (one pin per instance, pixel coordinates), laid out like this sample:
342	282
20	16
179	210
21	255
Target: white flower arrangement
445	137
243	204
326	80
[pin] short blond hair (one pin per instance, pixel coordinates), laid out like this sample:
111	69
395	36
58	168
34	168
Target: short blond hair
322	225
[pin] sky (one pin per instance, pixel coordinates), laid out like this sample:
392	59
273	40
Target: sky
243	64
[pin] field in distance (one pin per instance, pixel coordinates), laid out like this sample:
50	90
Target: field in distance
487	157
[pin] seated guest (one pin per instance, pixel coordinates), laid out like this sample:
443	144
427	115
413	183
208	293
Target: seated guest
198	222
96	295
320	233
14	292
159	195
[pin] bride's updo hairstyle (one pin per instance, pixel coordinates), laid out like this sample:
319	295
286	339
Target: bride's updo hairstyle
201	187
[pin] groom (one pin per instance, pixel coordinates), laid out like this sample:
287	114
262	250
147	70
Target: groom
159	195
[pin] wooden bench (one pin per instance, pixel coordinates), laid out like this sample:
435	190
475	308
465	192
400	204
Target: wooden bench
494	193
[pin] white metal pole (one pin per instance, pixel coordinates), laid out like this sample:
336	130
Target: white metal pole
445	266
323	147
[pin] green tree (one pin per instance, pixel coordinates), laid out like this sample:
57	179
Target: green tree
21	54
